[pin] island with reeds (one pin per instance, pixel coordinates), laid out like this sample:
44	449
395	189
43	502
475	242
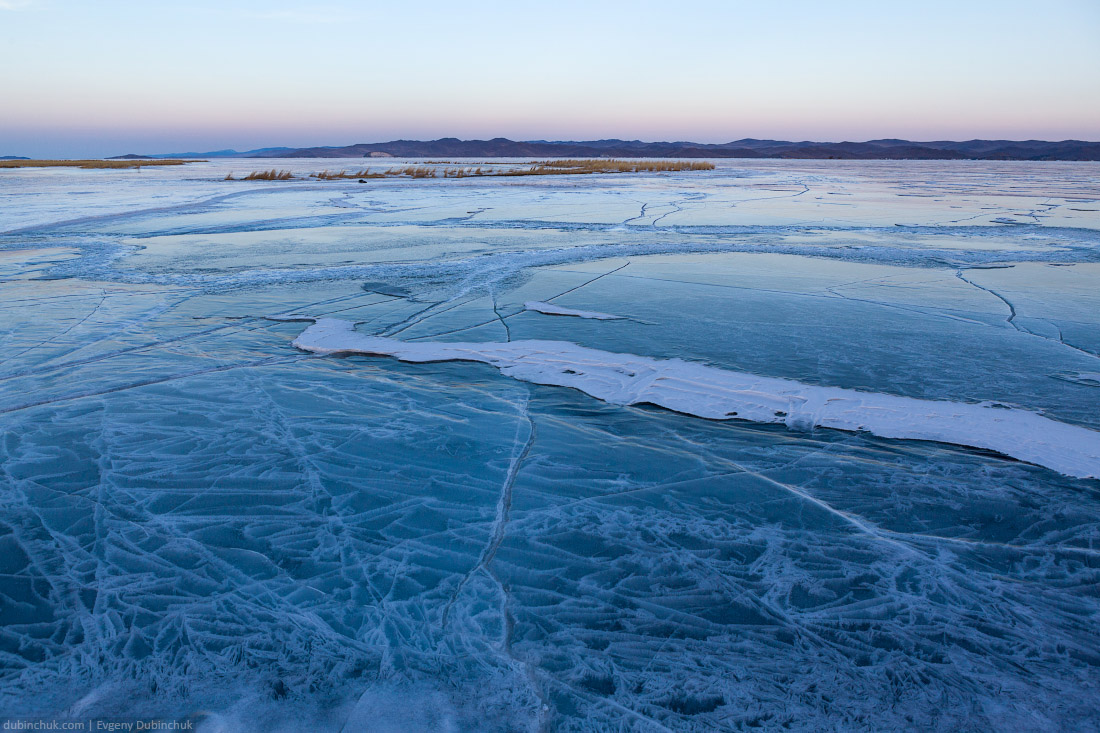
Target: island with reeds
565	166
91	163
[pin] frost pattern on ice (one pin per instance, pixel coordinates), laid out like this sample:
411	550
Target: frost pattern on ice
720	394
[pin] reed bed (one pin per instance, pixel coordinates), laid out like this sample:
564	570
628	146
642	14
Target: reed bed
91	163
464	172
418	171
568	166
271	175
330	176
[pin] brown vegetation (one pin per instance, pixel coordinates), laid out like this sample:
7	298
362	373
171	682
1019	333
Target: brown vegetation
271	175
329	176
417	171
91	163
537	168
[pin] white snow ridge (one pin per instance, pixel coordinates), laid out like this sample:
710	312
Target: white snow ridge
550	309
719	394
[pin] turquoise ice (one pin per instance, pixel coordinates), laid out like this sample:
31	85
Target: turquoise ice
199	519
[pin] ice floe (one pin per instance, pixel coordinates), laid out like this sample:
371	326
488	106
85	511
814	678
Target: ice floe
720	394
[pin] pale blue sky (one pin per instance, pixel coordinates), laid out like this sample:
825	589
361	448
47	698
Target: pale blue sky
107	77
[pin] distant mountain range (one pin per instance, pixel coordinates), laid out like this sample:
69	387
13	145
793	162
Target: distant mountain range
228	153
890	149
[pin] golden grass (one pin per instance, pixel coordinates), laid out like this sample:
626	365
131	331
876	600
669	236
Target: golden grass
572	166
412	171
271	175
536	168
91	163
330	176
464	172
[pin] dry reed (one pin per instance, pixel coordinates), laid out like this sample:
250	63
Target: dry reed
271	175
330	176
536	168
560	167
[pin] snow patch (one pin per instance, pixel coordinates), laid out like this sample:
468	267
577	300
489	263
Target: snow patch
719	394
1091	379
556	310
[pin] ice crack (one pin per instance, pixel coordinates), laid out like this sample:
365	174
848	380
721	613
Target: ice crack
503	513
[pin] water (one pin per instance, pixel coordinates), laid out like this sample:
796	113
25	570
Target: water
200	520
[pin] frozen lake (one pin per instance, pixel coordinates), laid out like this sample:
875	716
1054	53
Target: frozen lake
786	445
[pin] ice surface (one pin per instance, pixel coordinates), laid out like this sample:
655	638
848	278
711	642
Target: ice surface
696	389
199	520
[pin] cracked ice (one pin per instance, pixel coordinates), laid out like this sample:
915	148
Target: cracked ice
540	511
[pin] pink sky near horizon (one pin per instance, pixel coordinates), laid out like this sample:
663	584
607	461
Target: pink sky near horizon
152	78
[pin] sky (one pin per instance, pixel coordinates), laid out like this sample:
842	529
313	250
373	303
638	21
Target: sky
82	78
